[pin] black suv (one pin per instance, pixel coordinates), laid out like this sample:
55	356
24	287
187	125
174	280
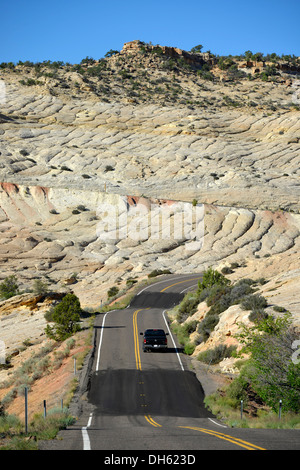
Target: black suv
155	340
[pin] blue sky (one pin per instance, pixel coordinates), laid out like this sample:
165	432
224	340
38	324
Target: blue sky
70	30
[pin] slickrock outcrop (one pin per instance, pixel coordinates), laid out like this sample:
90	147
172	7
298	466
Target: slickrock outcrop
225	158
22	318
75	236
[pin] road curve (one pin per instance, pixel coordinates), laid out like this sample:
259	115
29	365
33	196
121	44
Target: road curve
152	401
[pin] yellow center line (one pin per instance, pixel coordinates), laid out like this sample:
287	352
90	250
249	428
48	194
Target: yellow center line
181	282
152	422
138	359
136	341
226	437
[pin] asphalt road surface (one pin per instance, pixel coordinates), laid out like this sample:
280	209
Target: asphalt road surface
152	401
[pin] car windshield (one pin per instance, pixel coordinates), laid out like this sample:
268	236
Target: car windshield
154	333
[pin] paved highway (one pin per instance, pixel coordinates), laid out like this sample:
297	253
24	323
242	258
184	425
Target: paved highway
153	401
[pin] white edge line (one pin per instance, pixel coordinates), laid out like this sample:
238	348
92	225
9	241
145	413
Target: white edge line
101	338
160	282
190	287
163	314
222	425
85	435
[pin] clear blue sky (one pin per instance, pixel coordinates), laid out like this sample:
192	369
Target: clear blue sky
70	30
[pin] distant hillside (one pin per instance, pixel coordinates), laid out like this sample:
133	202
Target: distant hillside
143	73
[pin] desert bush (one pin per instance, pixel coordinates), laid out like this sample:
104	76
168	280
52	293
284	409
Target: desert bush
187	307
254	302
226	270
217	293
190	327
10	423
216	355
49	314
237	390
189	348
277	308
66	316
240	290
206	326
40	287
258	315
9	287
112	291
204	294
41	428
158	272
81	208
130	282
182	334
9	397
212	277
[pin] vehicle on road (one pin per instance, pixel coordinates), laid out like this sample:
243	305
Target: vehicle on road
155	340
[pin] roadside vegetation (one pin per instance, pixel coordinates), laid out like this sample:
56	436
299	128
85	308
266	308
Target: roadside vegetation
268	367
13	436
48	361
69	333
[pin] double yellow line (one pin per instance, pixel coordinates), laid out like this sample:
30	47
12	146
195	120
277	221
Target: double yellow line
181	282
152	422
138	359
136	341
135	328
226	437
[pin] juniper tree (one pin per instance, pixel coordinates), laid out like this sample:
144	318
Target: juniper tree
66	317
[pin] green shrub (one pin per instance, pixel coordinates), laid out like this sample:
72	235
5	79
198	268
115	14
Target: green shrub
66	316
258	315
9	287
216	355
277	308
240	290
189	328
189	348
40	287
212	277
158	272
49	315
206	326
237	390
273	374
112	291
187	307
10	424
254	302
182	333
130	282
30	82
